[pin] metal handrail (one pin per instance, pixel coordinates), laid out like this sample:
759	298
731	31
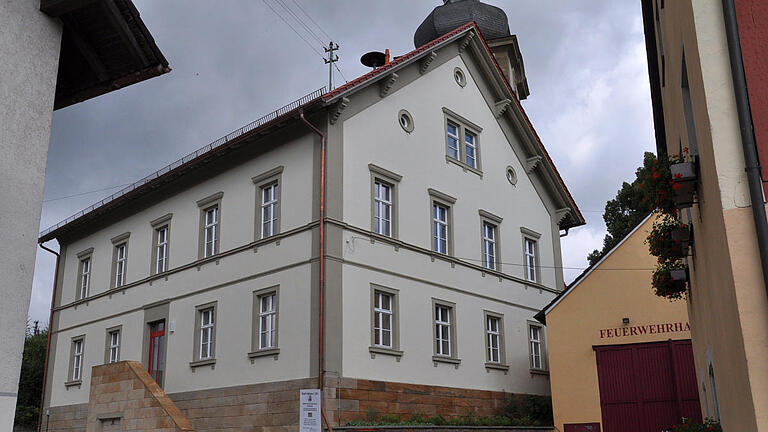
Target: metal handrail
226	138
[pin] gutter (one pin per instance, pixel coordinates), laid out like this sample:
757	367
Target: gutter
48	343
321	294
751	160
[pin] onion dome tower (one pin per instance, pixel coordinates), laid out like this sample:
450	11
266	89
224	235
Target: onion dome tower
493	24
453	14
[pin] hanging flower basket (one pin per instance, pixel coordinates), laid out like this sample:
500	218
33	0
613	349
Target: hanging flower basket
669	239
669	280
683	183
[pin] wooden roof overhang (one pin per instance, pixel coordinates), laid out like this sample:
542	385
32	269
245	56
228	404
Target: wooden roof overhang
105	46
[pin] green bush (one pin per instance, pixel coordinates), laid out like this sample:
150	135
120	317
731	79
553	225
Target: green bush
709	425
533	410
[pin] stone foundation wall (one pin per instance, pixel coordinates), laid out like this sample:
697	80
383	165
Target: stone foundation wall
357	399
274	407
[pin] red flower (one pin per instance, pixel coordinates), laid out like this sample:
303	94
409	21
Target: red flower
656	175
677	176
676	186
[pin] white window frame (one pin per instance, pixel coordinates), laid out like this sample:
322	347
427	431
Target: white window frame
494	350
470	145
211	231
381	315
268	320
270	196
121	256
536	347
77	359
85	276
443	330
162	249
490	234
382	207
114	346
453	151
206	333
440	227
531	270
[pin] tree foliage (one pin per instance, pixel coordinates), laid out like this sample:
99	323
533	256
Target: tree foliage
31	379
624	212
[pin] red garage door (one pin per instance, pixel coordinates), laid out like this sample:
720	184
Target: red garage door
647	387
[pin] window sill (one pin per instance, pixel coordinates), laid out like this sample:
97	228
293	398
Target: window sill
443	359
497	366
75	383
207	362
264	353
385	351
463	165
539	372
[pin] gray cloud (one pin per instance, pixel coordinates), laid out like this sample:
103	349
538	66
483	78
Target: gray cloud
234	61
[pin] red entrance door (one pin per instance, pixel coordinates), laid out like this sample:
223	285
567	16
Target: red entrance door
157	351
647	387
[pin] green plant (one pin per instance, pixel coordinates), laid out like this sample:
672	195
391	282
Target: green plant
709	425
663	283
660	241
534	410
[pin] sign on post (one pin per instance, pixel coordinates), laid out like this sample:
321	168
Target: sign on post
310	417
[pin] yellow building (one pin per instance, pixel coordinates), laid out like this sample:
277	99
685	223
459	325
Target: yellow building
708	73
620	358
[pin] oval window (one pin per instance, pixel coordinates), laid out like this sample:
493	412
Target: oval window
458	75
405	120
511	175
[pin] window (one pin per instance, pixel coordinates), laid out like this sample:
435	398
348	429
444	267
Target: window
406	120
113	345
268	196
162	249
470	152
382	205
76	361
535	342
459	77
269	210
119	260
443	330
211	231
161	240
210	225
85	277
440	228
205	335
453	139
268	320
264	331
493	335
120	264
489	246
531	255
690	120
84	274
713	386
382	319
462	136
440	219
384	201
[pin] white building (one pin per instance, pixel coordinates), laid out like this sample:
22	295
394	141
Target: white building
443	217
53	53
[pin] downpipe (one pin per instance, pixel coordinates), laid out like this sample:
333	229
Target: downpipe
321	300
48	343
752	162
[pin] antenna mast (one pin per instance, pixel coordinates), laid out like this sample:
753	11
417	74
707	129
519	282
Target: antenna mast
332	58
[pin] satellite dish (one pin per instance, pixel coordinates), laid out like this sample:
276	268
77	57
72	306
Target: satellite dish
374	59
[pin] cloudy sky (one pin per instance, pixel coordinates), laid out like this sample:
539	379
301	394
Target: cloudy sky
235	60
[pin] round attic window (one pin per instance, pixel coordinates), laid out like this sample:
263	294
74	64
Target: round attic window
511	175
405	120
459	76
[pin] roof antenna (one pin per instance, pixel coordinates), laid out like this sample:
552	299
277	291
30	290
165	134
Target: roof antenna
330	61
375	59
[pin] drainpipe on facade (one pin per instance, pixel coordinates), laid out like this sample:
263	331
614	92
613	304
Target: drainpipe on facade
48	343
747	134
321	294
